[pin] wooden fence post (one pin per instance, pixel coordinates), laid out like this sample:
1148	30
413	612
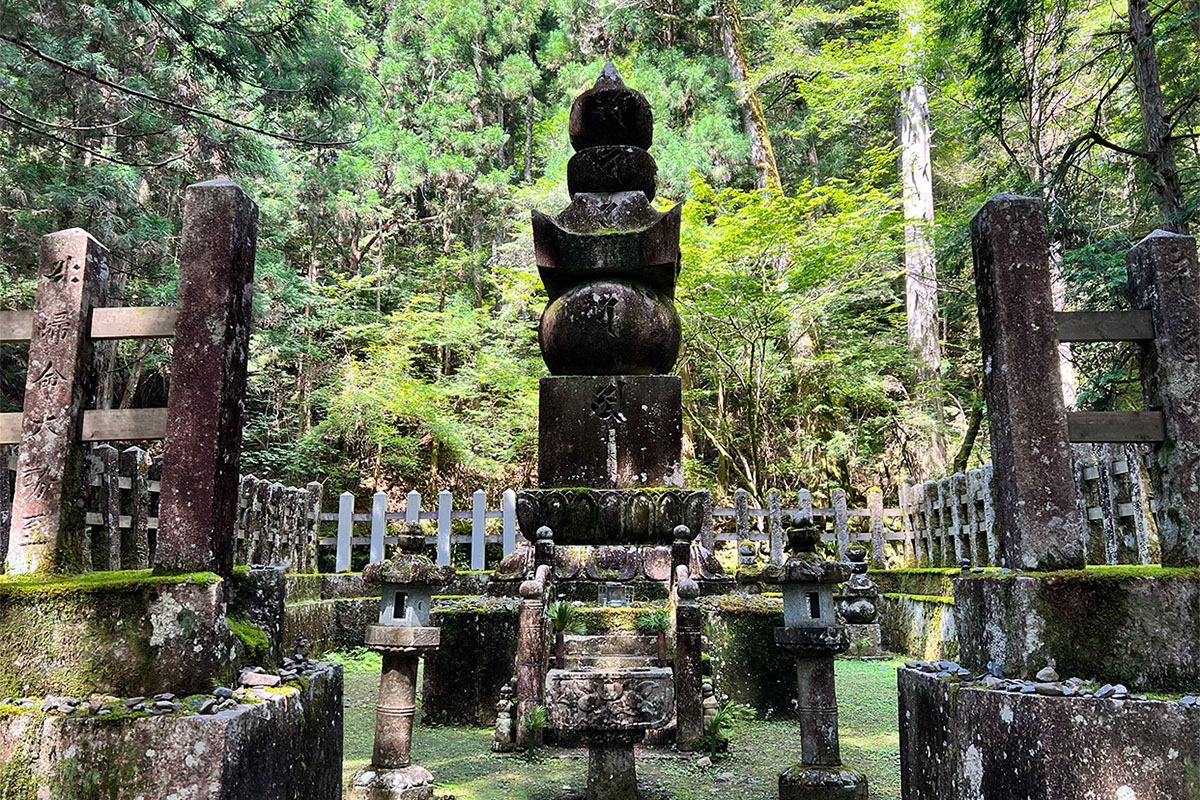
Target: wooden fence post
205	407
314	492
47	513
445	509
478	529
508	508
841	521
775	511
345	531
741	505
878	542
135	540
378	525
105	487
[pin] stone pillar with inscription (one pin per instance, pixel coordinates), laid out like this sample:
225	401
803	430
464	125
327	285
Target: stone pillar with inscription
48	514
1164	279
208	379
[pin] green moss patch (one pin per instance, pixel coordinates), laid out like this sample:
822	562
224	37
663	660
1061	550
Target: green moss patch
253	638
33	587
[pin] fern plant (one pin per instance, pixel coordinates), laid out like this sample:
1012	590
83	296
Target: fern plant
564	619
657	622
719	728
535	723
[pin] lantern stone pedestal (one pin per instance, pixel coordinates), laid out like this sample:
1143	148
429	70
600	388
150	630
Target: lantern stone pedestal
402	636
812	635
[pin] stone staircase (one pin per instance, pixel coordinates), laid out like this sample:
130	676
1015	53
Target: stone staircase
616	649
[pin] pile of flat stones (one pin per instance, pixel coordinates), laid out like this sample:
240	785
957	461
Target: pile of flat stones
1046	682
252	682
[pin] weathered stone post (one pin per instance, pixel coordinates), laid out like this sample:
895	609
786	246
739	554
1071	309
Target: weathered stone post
689	711
1164	279
47	509
402	636
531	652
208	379
811	634
1038	521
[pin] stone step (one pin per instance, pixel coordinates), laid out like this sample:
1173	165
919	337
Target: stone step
613	644
610	661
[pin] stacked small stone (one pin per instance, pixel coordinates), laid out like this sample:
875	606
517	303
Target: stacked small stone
223	698
1046	682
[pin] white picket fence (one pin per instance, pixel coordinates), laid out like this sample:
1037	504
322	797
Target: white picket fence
835	522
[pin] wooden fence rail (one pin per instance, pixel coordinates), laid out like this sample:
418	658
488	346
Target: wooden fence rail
834	522
953	518
275	524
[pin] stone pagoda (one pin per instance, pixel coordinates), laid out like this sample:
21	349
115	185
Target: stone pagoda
610	419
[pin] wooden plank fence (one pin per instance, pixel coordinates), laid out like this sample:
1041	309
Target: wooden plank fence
275	524
953	518
882	525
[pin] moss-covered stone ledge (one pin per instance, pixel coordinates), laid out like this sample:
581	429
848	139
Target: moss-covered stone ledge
282	743
929	582
126	633
1133	625
920	626
965	743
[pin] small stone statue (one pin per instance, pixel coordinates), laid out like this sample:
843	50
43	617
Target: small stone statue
506	732
860	592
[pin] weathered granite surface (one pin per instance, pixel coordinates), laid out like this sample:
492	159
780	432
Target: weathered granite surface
963	743
1134	625
127	633
285	745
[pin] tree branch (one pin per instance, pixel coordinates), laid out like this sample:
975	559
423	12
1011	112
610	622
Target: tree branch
49	59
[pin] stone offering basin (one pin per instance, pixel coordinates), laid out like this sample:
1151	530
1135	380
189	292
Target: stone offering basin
609	700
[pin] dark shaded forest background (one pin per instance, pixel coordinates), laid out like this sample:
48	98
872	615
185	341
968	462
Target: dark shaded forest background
830	154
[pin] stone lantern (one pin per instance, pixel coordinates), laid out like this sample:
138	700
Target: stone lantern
401	636
812	634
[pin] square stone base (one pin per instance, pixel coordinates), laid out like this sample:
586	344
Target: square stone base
610	431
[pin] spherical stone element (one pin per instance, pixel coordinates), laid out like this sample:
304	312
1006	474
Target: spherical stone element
611	169
610	113
859	611
609	328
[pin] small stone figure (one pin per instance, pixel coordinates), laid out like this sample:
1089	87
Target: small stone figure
402	635
812	634
506	732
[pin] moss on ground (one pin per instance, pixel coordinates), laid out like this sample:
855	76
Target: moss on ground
463	766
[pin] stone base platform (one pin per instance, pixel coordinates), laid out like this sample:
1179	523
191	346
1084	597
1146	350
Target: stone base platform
1132	625
128	633
281	744
822	783
958	742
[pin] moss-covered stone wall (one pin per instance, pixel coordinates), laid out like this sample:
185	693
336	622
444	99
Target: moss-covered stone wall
476	658
920	626
286	747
